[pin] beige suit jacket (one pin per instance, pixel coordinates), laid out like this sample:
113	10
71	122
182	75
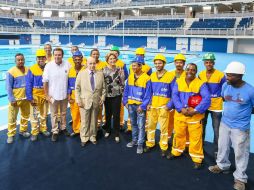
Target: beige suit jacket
83	90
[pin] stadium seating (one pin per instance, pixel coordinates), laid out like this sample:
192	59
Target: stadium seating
219	23
95	24
14	22
245	22
151	24
53	24
96	2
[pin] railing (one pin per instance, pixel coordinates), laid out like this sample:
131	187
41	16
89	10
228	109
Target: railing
4	15
249	33
154	17
225	15
116	4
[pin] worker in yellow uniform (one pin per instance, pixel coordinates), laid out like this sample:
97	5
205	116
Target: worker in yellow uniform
160	105
76	118
35	94
179	61
137	95
145	69
214	80
189	115
70	59
16	92
122	65
100	65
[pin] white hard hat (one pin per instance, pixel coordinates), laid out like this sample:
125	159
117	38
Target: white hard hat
235	68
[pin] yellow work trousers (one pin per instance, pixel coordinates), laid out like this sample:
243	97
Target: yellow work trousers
170	123
101	118
195	137
38	116
76	119
24	107
160	116
122	115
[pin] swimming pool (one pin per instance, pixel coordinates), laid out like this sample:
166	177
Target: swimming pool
7	61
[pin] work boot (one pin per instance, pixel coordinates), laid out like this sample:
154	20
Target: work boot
10	140
216	170
139	149
24	134
54	137
239	185
148	149
34	138
131	144
46	133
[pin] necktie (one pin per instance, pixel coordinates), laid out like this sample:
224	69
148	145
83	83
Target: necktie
92	80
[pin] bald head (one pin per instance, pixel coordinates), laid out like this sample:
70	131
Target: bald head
91	63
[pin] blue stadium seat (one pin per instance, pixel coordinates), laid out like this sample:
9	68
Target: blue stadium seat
14	23
224	23
151	24
96	2
95	24
245	22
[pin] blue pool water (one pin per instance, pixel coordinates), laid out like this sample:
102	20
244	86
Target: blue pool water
7	61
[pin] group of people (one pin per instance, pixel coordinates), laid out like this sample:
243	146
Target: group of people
179	101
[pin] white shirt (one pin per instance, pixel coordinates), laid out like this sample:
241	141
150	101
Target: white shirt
57	78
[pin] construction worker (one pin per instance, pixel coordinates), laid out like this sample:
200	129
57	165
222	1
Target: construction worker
35	94
214	80
77	58
16	92
137	95
189	116
160	105
145	69
179	61
70	59
234	130
100	65
120	64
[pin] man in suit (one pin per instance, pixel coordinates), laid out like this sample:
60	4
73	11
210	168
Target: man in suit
90	94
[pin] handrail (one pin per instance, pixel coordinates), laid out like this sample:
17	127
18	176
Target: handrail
137	31
118	4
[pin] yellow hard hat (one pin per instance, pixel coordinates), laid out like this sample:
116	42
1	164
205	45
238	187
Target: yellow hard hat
40	53
160	57
180	57
140	51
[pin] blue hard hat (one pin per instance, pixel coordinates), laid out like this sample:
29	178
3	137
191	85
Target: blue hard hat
138	59
77	53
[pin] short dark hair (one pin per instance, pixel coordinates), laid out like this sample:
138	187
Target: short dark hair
58	49
19	54
193	65
95	49
75	47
